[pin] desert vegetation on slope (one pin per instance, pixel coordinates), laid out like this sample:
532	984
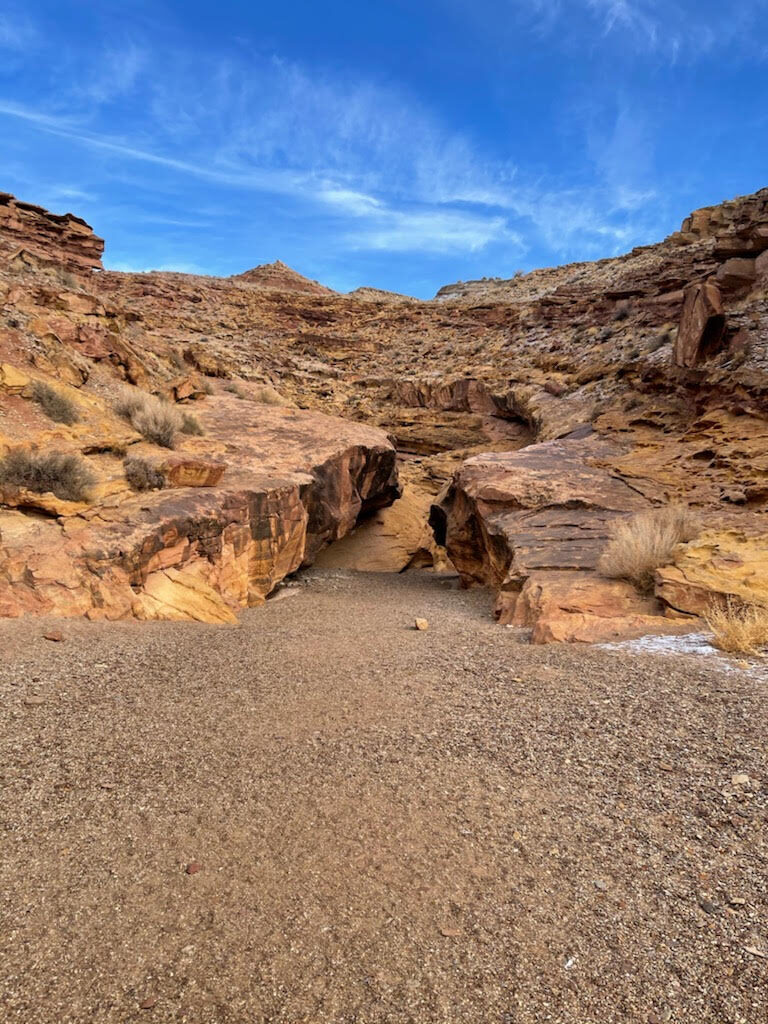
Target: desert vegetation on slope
66	476
191	425
54	403
739	628
142	475
641	545
155	419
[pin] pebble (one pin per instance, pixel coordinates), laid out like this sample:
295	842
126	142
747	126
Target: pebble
192	868
707	905
742	779
421	624
54	635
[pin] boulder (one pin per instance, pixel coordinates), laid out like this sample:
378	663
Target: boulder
303	479
548	507
182	470
736	274
532	524
702	324
571	607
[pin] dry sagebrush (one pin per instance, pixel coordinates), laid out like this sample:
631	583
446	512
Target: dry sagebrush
155	419
641	545
55	404
66	476
739	628
142	475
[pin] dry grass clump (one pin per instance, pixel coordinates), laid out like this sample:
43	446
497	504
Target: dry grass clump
265	394
739	628
191	425
641	545
66	476
55	404
142	475
235	389
155	419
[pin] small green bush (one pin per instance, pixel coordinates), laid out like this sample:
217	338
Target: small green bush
142	475
66	476
55	404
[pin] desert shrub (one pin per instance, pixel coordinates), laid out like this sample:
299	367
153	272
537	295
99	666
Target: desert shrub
739	628
191	425
155	419
66	476
142	475
265	394
55	404
621	312
207	387
178	359
641	545
235	389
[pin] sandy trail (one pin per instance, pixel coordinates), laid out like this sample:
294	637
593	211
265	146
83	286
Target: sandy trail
389	825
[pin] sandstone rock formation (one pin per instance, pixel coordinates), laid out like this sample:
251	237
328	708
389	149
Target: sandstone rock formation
31	234
597	388
280	276
207	543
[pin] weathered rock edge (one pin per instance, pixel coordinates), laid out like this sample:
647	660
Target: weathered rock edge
532	524
200	553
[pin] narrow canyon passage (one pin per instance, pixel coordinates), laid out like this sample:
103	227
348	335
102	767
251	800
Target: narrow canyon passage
325	815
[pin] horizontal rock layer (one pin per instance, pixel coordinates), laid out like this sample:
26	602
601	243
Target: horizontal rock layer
296	481
61	238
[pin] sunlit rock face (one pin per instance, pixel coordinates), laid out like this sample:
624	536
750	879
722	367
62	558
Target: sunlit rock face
629	382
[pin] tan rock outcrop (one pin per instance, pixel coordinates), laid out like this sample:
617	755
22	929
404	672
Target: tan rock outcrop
302	480
392	540
579	607
716	566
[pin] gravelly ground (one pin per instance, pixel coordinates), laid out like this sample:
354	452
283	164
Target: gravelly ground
390	825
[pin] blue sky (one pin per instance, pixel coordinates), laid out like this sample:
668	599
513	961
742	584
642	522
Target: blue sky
401	144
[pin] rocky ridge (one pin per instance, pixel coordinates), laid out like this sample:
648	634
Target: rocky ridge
643	376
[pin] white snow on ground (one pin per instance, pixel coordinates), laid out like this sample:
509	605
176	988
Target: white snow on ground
689	643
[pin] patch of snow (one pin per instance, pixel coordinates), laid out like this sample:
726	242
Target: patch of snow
698	644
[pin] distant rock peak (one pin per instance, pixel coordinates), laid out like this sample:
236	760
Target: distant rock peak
280	275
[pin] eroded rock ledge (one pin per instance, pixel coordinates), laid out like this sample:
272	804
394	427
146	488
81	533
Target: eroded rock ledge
296	481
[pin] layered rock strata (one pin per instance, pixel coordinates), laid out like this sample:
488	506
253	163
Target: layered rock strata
211	541
654	365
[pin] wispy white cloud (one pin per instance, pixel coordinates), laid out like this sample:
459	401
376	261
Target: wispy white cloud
372	157
675	29
433	231
179	267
